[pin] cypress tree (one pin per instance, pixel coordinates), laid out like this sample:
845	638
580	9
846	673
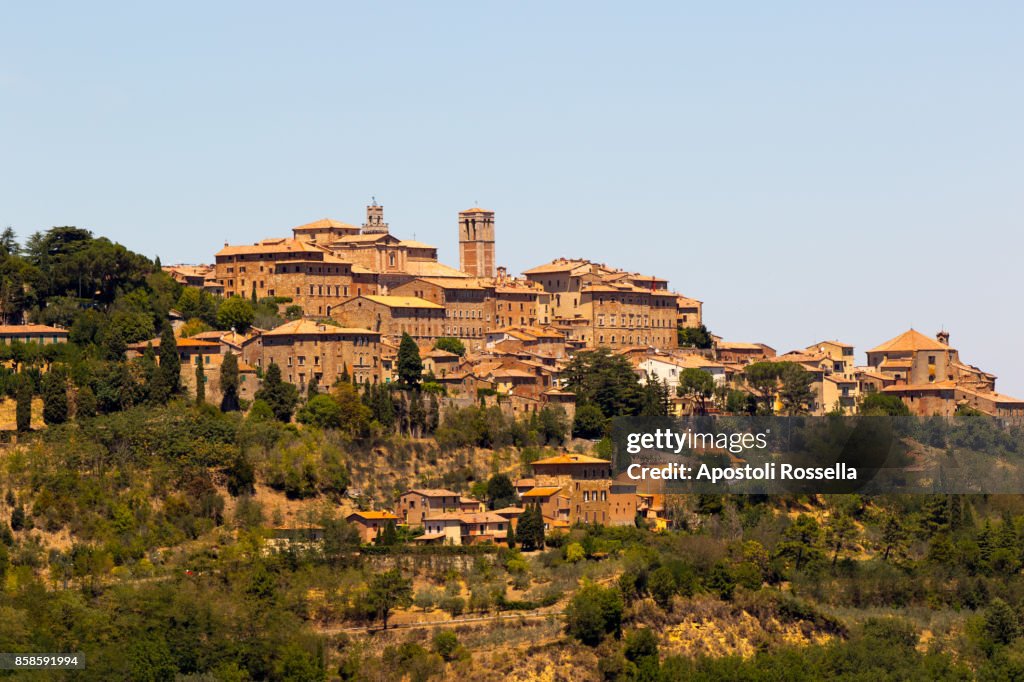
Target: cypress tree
23	408
229	383
410	365
200	381
55	397
170	363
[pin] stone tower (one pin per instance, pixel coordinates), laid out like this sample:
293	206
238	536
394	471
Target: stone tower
375	219
476	242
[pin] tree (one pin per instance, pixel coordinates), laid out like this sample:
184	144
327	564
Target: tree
313	387
795	392
321	411
763	377
55	397
85	403
1001	623
662	586
410	366
446	644
278	394
192	327
500	491
200	380
353	416
589	422
18	518
655	398
530	533
694	337
235	313
697	385
608	381
510	536
23	405
800	541
641	644
229	383
840	530
9	243
388	591
170	363
451	345
389	536
594	612
884	405
893	535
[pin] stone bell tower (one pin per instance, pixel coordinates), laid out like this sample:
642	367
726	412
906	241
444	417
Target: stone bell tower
375	219
476	242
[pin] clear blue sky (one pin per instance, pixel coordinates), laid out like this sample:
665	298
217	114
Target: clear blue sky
809	170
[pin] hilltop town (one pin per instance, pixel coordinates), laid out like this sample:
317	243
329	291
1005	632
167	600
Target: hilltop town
341	301
326	431
354	291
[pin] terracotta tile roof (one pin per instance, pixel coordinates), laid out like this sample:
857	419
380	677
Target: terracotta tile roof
432	492
271	246
413	244
423	268
476	209
374	515
403	302
23	329
510	510
833	343
304	327
545	491
557	265
322	224
738	345
452	282
684	361
442	354
571	459
934	386
909	341
1000	398
365	238
185	342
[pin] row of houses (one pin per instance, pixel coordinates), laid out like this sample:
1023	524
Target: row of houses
568	489
926	373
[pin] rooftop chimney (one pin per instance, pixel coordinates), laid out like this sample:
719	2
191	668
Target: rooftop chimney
942	337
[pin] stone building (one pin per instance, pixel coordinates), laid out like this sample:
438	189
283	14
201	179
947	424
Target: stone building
467	309
391	316
370	524
580	489
931	379
602	306
416	504
304	349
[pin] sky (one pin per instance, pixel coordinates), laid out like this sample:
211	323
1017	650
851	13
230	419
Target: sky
809	170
